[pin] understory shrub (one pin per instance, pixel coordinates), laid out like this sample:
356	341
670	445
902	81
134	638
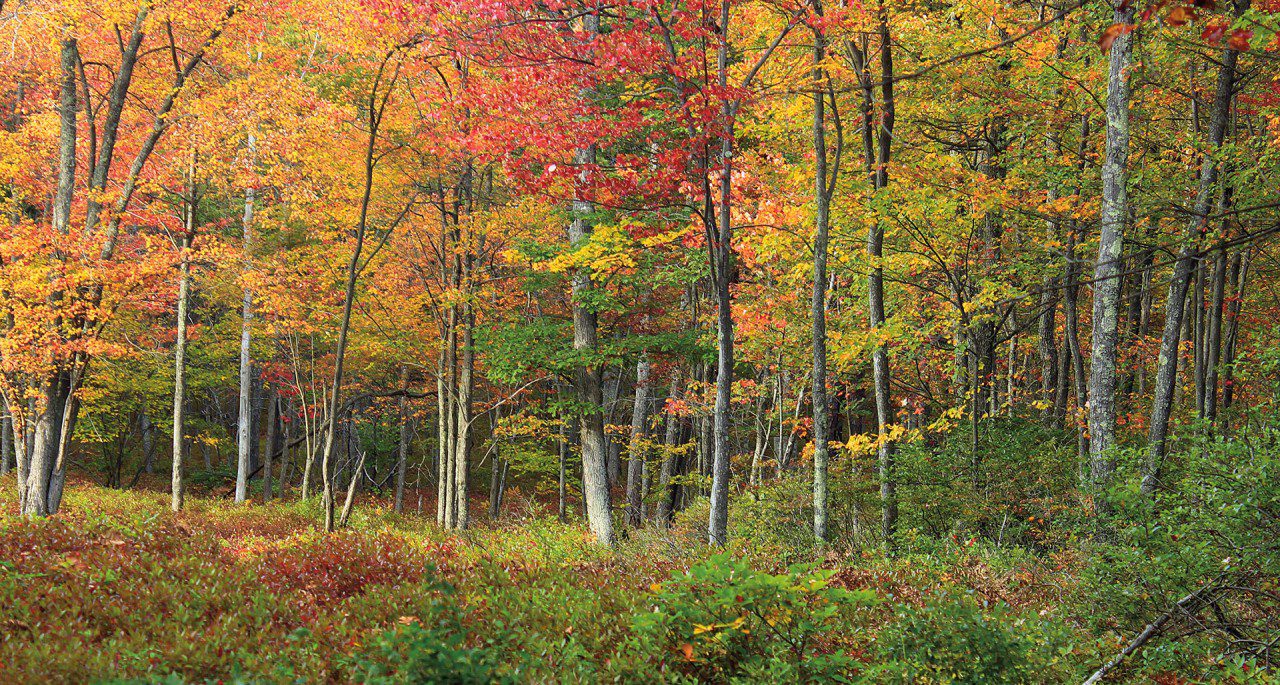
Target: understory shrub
954	638
723	621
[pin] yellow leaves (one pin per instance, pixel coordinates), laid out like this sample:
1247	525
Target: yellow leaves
666	238
608	248
949	419
735	624
865	445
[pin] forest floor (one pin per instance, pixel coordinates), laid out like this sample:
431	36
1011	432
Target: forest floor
116	588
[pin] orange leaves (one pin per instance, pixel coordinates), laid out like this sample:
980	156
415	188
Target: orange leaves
1112	33
1240	39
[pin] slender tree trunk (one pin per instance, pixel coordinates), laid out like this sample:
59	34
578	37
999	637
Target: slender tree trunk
180	344
1239	275
1213	340
47	422
562	511
670	460
1167	366
638	453
402	449
6	444
462	451
244	424
1107	270
1048	349
272	443
875	292
595	477
824	186
375	111
722	263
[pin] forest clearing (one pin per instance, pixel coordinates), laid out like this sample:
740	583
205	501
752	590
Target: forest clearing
688	341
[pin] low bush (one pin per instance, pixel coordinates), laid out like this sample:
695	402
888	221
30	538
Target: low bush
723	621
956	639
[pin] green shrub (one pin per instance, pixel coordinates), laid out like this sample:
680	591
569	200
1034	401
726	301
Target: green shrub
954	639
429	649
723	621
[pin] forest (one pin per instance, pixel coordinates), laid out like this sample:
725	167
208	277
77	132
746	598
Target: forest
636	341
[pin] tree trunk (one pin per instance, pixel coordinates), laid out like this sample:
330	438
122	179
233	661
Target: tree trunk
402	448
462	450
824	187
875	290
180	346
1213	340
1239	275
638	453
244	424
1107	269
1167	366
348	299
272	443
595	477
6	444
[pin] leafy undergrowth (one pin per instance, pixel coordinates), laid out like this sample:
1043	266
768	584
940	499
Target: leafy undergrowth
116	588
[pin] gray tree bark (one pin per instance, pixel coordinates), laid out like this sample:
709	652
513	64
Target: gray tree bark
824	187
402	449
180	344
244	424
1107	269
1167	366
638	453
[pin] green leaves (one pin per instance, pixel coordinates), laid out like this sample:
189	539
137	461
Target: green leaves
723	621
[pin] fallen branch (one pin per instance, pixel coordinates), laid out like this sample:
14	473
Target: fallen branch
1149	632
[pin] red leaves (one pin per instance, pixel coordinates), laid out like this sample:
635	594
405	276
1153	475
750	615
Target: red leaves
1239	39
1181	14
1112	33
1213	33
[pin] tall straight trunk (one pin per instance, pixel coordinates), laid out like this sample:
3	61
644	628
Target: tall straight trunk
24	439
402	448
587	381
1198	332
1239	271
638	453
47	422
1107	269
462	450
1167	366
824	186
1071	296
1213	336
244	424
875	282
670	460
375	110
286	430
6	444
562	511
495	472
1048	348
180	372
722	258
445	368
271	445
180	343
